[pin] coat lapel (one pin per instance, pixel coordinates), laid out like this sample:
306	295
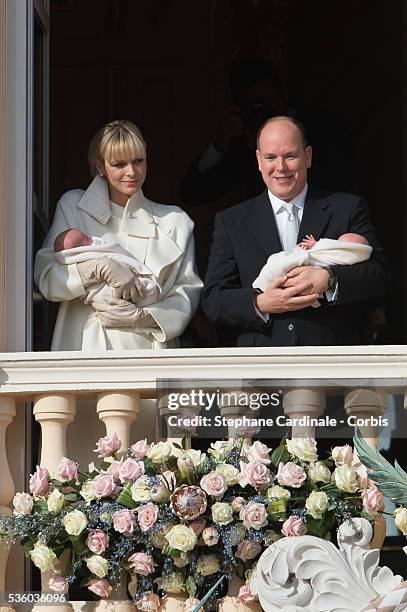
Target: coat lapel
263	224
317	212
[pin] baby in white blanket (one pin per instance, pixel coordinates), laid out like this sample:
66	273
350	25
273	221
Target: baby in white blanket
347	250
73	246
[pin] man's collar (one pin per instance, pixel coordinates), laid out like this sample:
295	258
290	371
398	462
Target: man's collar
278	204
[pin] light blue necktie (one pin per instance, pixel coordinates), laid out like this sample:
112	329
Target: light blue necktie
290	234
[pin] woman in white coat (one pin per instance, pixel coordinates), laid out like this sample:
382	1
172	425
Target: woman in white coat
114	208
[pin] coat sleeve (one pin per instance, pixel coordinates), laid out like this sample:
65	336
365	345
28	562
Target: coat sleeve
224	300
173	313
56	282
369	279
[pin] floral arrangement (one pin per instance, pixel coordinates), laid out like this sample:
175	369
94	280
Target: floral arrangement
178	520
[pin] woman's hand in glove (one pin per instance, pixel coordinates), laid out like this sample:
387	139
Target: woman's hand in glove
114	312
120	278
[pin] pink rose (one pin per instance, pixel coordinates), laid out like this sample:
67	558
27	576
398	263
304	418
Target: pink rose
131	469
237	504
97	541
101	588
361	472
255	474
210	536
259	452
140	449
248	549
58	584
114	469
190	604
254	515
294	526
147	515
373	500
342	455
66	470
214	484
104	485
141	563
290	475
245	594
39	484
23	503
148	602
124	521
108	445
198	525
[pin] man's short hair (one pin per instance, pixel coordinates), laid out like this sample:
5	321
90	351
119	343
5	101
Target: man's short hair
298	125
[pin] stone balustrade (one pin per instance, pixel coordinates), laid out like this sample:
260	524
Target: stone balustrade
118	382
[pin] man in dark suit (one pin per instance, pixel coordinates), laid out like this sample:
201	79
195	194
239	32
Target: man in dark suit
246	234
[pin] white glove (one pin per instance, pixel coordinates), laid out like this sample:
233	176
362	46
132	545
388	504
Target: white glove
120	313
124	282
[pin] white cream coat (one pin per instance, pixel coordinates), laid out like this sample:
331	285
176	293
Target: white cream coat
160	236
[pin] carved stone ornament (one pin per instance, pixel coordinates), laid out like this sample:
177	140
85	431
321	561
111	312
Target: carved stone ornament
306	573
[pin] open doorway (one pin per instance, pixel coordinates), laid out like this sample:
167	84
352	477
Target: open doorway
167	65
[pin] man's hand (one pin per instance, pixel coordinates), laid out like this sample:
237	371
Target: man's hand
279	298
317	279
118	313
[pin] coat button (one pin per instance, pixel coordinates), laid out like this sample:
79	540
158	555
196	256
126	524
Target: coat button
132	215
291	327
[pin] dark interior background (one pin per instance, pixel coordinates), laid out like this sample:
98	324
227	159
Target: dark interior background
164	64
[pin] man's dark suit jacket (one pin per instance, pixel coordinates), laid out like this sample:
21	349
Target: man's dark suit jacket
244	237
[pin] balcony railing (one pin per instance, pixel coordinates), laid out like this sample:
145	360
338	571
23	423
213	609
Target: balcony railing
118	382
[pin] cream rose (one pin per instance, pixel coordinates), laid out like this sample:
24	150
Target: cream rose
207	564
97	565
220	449
304	449
229	473
159	452
55	501
319	472
196	456
181	538
278	492
316	503
23	503
75	522
172	583
400	518
43	557
88	491
342	455
222	513
141	489
345	479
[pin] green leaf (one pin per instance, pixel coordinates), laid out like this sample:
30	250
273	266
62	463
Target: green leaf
177	445
125	497
184	443
28	546
280	455
392	481
71	497
171	552
191	586
240	571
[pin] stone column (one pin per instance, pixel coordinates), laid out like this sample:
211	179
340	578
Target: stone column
300	403
54	413
118	411
7	413
368	405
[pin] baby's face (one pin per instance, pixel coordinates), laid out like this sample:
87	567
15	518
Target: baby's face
75	238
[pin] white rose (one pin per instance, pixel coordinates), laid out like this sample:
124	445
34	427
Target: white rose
345	479
400	518
220	448
237	533
181	538
342	455
196	456
316	504
43	557
319	472
172	583
75	522
304	449
88	491
222	513
229	473
98	565
278	492
55	501
259	452
23	503
207	564
160	452
141	490
159	493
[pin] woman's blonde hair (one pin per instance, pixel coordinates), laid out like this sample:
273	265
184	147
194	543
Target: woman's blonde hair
117	141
